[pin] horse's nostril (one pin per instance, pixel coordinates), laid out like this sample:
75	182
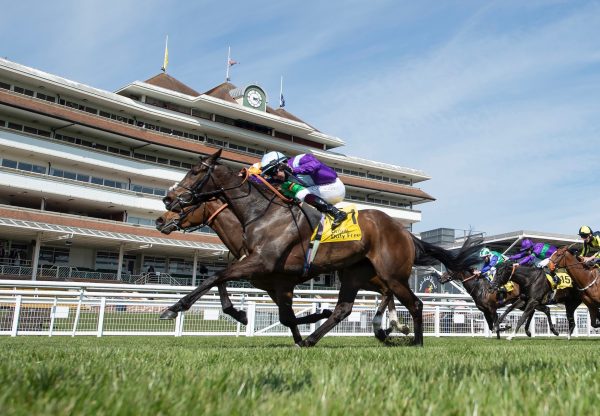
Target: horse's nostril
159	222
167	201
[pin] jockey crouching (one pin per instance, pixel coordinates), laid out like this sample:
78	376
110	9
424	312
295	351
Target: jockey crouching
307	179
536	254
491	259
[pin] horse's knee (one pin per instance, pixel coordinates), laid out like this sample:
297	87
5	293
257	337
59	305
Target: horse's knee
288	321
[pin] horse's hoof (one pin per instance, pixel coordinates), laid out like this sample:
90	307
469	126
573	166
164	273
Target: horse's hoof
509	338
326	313
168	315
555	332
528	334
381	335
305	344
404	330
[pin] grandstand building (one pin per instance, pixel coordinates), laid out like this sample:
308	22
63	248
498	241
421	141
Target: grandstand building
83	172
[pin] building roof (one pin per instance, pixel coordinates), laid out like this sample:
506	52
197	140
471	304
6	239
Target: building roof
166	81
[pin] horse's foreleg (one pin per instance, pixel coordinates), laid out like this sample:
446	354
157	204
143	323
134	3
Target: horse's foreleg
393	318
249	266
529	310
379	332
237	314
519	303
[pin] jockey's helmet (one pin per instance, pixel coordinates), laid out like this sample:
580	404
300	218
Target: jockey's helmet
272	159
585	231
526	244
485	252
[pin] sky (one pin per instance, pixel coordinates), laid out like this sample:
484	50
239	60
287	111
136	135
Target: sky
498	102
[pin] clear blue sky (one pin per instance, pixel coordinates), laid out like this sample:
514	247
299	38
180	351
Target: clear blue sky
499	102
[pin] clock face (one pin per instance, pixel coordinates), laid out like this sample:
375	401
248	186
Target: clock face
254	98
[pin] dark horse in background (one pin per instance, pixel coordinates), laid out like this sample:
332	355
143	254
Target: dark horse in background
223	221
586	278
486	299
277	235
537	290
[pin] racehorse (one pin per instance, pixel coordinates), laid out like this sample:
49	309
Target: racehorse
586	279
537	290
277	234
486	300
218	215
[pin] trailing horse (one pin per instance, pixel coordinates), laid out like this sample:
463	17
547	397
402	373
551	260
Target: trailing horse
222	220
486	300
277	235
587	279
537	290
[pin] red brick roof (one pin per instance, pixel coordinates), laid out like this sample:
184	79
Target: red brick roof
168	82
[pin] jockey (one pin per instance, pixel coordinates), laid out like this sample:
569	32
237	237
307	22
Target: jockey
491	259
306	178
533	253
591	242
537	254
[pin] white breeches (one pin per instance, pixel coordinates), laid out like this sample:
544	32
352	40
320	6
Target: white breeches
331	193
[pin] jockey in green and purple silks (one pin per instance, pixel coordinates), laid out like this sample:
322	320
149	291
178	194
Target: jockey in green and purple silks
307	179
531	253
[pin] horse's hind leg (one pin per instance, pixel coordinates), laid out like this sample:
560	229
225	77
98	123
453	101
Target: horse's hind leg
546	310
237	314
379	332
346	298
414	306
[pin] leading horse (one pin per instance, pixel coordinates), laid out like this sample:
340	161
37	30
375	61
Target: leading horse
222	220
278	234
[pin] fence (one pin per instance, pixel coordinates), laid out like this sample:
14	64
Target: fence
96	309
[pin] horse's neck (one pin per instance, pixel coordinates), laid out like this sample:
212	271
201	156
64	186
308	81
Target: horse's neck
474	286
581	275
229	229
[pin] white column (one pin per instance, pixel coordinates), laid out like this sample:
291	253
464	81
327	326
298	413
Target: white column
120	264
195	268
36	256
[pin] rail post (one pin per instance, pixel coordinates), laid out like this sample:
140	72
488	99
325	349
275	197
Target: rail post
77	313
251	319
436	324
52	317
17	313
101	316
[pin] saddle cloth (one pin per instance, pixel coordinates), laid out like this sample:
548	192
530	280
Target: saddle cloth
565	281
346	231
510	286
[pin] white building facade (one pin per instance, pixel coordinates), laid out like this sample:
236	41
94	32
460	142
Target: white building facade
83	171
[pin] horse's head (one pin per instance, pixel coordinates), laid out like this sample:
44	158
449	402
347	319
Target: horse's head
195	186
189	217
504	273
460	276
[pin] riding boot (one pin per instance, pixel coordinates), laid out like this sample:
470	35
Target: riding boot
326	208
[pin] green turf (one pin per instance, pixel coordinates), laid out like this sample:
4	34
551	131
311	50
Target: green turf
265	376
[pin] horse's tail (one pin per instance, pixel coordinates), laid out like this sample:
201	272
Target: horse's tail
427	254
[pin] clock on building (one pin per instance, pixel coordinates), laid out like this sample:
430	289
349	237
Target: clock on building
254	98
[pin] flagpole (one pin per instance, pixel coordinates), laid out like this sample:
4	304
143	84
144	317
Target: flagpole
228	60
281	92
166	59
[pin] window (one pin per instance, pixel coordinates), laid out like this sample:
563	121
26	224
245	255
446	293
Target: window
7	163
4	85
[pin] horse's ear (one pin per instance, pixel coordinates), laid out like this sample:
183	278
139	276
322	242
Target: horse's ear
212	159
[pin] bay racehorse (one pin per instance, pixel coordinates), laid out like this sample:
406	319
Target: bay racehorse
222	220
537	290
486	300
278	233
587	279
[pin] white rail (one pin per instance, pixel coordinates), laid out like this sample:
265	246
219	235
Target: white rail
102	309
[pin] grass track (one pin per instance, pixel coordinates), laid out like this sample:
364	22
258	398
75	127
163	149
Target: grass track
340	376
